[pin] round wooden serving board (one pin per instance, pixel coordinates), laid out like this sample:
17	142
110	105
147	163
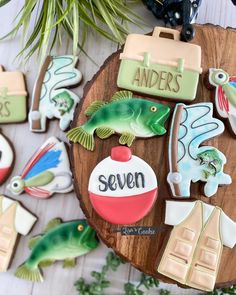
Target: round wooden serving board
218	50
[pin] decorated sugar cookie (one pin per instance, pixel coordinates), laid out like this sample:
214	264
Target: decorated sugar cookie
160	66
47	172
6	158
51	98
128	116
193	253
13	106
225	95
122	187
190	162
14	220
59	241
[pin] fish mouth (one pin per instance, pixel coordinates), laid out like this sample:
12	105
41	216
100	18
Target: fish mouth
90	238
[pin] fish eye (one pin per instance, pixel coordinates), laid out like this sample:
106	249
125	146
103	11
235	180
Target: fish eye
221	77
153	109
80	227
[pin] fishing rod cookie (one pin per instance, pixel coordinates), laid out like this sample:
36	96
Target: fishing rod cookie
59	241
225	95
13	94
122	188
51	98
124	114
190	162
47	172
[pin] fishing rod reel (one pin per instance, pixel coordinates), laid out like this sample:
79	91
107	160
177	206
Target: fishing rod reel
176	13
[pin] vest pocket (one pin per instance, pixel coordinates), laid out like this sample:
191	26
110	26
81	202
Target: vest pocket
4	243
212	243
188	234
208	259
202	279
174	268
3	261
183	249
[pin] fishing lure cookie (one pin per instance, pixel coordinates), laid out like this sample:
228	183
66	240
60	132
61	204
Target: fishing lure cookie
59	241
13	96
122	187
14	220
48	172
225	95
51	98
190	162
160	66
131	117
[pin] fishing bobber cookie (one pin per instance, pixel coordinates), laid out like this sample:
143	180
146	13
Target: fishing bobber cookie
122	187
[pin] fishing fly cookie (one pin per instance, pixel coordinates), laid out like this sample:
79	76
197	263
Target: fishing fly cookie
6	158
160	66
122	188
225	95
59	241
50	97
13	94
14	220
128	116
47	172
190	162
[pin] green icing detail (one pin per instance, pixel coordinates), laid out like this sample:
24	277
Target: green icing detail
158	80
211	162
63	102
69	263
230	92
52	224
62	242
42	179
129	117
12	108
33	241
96	105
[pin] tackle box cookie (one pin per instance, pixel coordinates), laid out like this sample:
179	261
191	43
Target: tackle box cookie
159	66
13	95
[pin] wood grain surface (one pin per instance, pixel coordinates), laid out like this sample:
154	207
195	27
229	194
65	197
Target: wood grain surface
218	48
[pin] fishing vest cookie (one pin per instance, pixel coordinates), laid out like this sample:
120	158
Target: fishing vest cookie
47	172
160	66
51	98
190	162
225	95
13	107
122	187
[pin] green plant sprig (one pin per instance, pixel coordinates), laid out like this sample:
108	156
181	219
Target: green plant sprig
229	291
75	18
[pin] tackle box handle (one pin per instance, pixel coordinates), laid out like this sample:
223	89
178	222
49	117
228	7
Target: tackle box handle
158	30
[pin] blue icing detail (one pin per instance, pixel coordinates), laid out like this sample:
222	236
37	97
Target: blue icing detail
49	160
233	84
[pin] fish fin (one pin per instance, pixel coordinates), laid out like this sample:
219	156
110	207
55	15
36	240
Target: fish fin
26	273
52	224
79	135
46	263
33	241
69	263
104	132
123	94
127	138
96	105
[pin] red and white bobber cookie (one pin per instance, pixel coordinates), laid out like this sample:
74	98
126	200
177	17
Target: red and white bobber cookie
122	187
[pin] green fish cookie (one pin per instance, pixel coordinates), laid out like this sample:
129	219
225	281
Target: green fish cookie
60	241
128	116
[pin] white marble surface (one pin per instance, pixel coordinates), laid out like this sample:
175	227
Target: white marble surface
57	280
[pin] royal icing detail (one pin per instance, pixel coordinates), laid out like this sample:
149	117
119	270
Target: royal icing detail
225	95
193	253
48	172
6	159
190	162
14	220
50	97
59	241
160	66
120	182
12	97
128	116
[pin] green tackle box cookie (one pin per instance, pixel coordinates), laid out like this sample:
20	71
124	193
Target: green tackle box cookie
12	97
160	65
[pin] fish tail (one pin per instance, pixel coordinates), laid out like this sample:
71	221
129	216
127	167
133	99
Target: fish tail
80	135
28	273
